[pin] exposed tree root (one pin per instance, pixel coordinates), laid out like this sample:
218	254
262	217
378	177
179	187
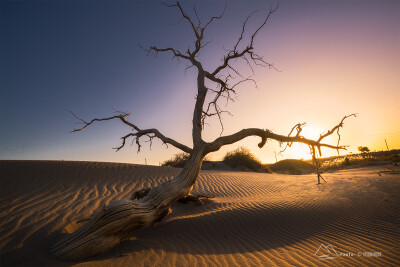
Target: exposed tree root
116	221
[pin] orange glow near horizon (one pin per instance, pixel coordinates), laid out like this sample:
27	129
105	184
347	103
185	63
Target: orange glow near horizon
334	58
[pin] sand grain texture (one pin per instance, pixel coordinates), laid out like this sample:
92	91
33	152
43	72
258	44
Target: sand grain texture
255	219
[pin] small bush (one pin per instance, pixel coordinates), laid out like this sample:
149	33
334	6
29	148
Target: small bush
177	161
363	149
292	166
357	160
242	157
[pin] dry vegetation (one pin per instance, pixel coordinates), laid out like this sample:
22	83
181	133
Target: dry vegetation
242	159
292	166
360	160
177	161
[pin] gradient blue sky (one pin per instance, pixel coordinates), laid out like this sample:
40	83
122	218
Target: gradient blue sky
335	57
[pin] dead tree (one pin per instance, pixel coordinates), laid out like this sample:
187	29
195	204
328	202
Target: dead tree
115	221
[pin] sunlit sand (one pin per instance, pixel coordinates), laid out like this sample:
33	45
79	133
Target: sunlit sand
255	219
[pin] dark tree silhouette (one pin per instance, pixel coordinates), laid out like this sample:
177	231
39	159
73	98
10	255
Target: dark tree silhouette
115	221
363	149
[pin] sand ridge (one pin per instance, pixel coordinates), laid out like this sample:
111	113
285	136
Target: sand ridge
255	219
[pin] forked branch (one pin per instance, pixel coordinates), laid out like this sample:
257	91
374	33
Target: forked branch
136	134
198	32
222	77
175	52
267	134
120	116
336	129
115	221
235	53
224	83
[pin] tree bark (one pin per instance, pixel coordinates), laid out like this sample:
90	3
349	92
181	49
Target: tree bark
117	220
114	222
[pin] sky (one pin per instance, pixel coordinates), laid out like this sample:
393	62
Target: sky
334	58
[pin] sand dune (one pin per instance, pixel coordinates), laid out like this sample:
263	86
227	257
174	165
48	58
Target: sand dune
255	219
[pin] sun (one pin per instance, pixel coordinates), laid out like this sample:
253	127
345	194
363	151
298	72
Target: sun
297	151
311	132
302	151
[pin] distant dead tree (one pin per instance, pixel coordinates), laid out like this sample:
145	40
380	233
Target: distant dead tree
115	221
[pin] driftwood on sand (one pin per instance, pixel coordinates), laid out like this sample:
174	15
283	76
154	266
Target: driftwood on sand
115	221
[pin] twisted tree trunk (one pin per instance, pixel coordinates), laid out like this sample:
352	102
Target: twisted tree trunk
115	221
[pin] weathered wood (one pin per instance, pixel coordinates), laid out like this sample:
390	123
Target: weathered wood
140	193
117	220
194	198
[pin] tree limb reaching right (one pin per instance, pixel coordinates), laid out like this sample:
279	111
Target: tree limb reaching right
112	223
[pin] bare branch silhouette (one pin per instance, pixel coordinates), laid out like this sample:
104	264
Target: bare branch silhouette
115	221
267	134
150	133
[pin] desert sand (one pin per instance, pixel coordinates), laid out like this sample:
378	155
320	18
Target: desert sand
255	219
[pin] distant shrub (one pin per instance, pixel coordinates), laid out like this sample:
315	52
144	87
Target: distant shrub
363	149
242	157
292	166
177	161
358	160
340	162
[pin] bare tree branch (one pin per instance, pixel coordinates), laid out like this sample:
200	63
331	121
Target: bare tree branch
150	133
264	135
265	22
267	134
243	29
234	53
183	13
215	17
197	30
177	53
299	128
316	163
224	87
121	116
337	128
116	220
223	91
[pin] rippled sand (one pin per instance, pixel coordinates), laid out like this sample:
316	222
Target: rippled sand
254	220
